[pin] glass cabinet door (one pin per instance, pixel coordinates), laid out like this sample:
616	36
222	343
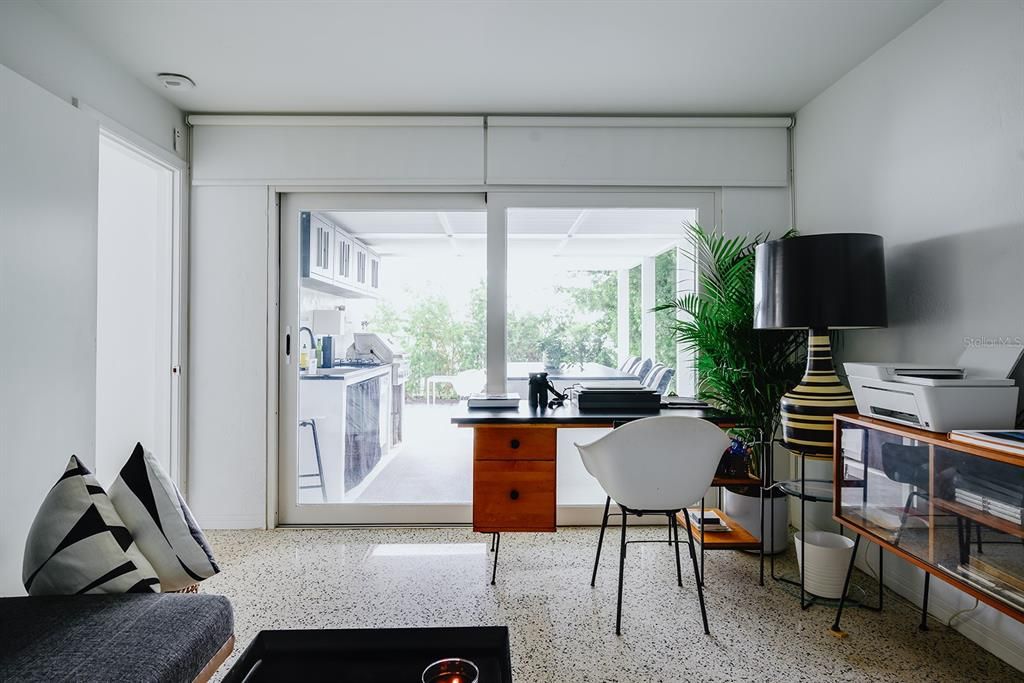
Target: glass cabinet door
958	511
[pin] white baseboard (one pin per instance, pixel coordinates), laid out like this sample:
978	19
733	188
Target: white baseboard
907	581
231	521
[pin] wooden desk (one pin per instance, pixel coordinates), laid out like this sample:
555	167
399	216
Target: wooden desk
514	451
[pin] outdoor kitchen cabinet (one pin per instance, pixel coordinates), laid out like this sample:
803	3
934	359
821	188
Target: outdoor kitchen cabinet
335	262
317	248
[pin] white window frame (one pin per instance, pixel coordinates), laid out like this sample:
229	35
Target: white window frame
706	201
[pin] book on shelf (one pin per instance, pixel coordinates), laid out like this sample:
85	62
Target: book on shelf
1006	440
493	401
987	582
711	522
989	566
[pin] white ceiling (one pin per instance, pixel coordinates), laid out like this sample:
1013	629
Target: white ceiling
585	239
493	56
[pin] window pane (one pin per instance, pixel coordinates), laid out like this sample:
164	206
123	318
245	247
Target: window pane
565	266
417	280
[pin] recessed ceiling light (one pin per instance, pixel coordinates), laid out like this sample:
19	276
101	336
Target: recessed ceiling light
176	81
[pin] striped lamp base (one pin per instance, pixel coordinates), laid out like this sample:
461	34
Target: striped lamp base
807	409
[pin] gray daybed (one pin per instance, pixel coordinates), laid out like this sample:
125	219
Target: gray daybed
133	637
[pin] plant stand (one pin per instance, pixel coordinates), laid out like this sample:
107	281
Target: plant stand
817	494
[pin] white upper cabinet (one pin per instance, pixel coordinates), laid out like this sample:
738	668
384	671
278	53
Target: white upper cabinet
342	256
318	248
336	262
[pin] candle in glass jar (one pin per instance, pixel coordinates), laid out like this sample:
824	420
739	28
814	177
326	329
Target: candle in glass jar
453	670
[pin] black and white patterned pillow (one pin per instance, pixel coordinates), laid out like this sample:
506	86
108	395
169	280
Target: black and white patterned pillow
78	543
153	510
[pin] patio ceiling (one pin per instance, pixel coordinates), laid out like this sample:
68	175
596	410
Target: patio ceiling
592	239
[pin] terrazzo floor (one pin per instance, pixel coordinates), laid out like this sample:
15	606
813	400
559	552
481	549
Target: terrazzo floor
561	629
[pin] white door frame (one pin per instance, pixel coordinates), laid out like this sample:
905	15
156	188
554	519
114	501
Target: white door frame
289	511
178	168
281	508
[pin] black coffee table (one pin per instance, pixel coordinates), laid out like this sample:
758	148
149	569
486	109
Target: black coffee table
380	655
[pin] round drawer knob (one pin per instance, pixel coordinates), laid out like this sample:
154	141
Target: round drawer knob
513	494
514	443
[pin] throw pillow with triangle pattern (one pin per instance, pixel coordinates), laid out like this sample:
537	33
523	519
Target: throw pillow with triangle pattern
161	523
78	543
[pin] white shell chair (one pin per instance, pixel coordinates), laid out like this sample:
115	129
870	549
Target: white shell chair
656	465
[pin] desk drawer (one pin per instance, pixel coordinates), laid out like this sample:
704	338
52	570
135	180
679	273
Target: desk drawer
513	495
514	443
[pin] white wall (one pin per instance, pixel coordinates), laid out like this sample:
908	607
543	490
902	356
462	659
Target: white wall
923	143
134	308
41	47
48	159
228	357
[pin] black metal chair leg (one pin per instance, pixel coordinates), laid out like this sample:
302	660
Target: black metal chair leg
600	540
836	631
622	566
924	603
497	546
903	518
673	527
700	583
494	536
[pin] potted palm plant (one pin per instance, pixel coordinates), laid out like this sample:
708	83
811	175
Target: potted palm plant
740	370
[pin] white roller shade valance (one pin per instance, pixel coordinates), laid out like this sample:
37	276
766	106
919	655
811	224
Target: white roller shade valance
338	150
511	150
637	151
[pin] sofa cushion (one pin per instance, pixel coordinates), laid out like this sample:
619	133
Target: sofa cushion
164	529
131	637
78	543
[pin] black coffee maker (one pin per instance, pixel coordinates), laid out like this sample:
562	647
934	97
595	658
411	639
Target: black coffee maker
540	385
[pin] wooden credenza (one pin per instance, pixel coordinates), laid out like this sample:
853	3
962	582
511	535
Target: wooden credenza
948	507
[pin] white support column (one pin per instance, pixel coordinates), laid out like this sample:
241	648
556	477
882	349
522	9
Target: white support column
622	315
497	268
686	282
646	304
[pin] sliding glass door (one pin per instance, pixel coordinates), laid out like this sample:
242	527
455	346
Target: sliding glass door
383	331
395	307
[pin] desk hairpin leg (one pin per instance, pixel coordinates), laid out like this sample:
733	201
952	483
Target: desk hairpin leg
497	545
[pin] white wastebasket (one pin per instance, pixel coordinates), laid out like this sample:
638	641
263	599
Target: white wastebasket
828	558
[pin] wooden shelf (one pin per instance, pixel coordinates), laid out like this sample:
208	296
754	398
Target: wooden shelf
981	517
737	539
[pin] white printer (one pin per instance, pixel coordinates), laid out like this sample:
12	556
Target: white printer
976	393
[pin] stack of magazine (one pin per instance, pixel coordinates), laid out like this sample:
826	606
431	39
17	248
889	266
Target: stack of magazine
1006	440
988	577
712	523
997	498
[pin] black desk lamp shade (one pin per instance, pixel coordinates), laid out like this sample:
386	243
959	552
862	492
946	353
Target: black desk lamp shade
819	282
